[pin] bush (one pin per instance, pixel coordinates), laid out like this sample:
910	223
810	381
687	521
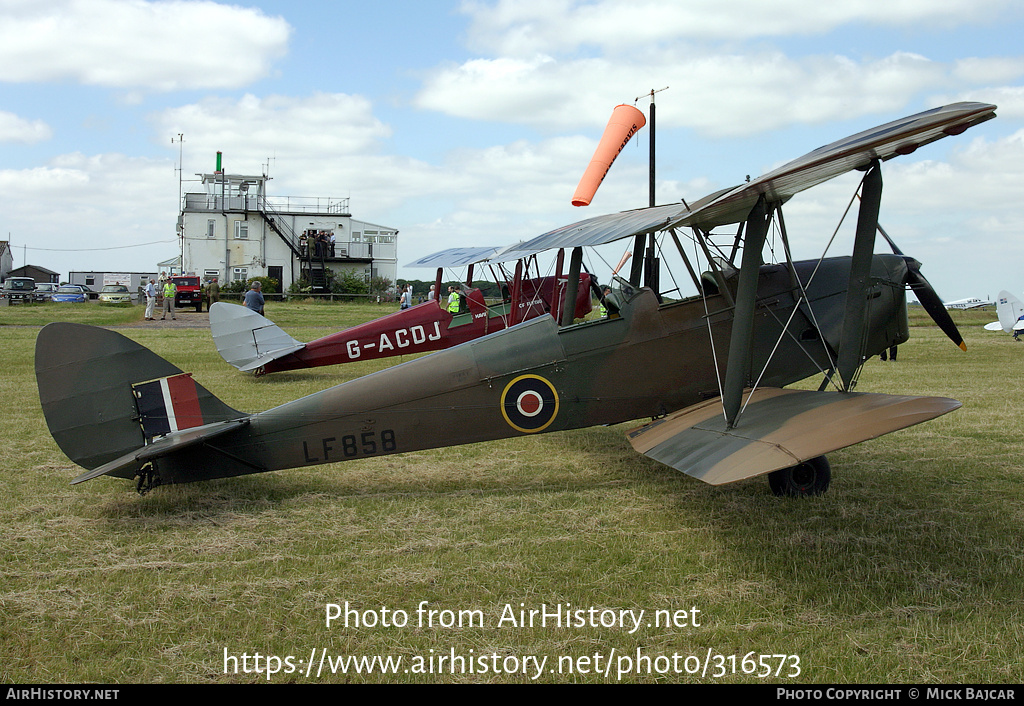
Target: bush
347	282
300	286
269	285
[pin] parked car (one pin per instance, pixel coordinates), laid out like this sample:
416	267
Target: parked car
70	293
18	290
45	291
115	294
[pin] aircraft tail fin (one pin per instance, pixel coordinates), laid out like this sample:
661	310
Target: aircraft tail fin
779	429
106	398
1009	309
247	340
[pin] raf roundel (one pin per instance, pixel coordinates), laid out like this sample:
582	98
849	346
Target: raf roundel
529	403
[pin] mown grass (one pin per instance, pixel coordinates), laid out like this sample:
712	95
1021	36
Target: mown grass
908	570
91	312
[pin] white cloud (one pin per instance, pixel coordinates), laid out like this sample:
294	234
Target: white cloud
16	129
988	70
251	128
325	144
561	64
718	95
527	27
98	211
161	45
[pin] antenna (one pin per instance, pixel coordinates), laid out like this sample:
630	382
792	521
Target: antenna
181	206
180	141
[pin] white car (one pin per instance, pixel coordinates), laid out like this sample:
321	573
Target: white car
115	294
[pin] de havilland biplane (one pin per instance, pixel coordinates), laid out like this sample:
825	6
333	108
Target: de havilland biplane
252	342
709	371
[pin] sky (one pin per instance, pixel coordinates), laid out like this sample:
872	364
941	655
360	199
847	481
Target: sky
470	123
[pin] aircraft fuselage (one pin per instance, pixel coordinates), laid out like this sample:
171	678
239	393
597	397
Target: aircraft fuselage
538	377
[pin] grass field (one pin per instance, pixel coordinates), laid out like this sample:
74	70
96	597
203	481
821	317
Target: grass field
908	570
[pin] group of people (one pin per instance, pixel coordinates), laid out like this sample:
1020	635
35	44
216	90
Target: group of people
453	304
318	243
162	292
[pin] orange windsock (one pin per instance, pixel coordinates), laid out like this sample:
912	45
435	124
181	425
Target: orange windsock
624	123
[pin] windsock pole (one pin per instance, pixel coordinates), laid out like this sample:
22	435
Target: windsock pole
652	273
651	170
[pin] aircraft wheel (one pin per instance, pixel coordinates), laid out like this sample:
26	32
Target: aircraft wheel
808	478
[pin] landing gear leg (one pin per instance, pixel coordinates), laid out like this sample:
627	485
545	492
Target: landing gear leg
808	478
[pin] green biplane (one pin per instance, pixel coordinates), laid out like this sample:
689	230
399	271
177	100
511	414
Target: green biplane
708	370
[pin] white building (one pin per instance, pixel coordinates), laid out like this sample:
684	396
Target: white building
233	231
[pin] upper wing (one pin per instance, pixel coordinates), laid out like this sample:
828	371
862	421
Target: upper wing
884	142
455	257
732	205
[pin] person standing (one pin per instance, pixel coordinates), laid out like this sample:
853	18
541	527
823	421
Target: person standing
170	291
406	297
453	301
254	298
150	300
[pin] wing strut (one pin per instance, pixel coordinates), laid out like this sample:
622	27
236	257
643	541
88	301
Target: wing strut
573	286
855	317
737	367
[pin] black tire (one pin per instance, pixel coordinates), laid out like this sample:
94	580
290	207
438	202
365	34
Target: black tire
808	478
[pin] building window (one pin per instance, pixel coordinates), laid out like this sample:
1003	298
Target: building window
241	230
240	274
90	280
211	228
211	273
